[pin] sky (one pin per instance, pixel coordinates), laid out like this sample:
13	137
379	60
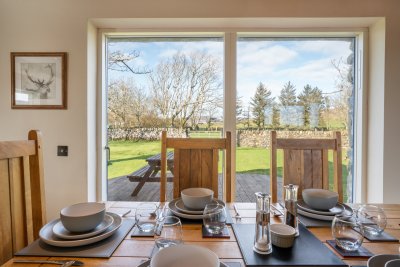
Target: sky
273	62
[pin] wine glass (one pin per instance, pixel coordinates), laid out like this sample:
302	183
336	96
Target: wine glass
214	218
146	217
373	218
348	232
168	232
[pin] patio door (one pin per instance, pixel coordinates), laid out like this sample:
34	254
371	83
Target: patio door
153	83
300	87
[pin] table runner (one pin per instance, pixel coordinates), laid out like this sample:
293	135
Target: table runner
101	249
306	251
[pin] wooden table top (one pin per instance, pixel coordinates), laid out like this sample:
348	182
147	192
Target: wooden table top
134	250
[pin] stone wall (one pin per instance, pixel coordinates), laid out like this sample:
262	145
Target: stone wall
261	138
244	138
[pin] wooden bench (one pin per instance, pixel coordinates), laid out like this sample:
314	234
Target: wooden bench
143	175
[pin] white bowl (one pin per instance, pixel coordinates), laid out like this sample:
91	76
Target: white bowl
82	217
320	199
282	235
197	198
381	259
184	256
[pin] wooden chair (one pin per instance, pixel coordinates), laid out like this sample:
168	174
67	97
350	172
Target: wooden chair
196	164
22	202
305	163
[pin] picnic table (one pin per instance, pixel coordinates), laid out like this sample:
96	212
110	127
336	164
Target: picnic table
149	172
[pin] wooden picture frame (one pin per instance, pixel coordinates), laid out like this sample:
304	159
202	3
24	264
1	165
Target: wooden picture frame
39	80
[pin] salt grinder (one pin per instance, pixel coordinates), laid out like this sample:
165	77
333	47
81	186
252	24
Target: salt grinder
262	237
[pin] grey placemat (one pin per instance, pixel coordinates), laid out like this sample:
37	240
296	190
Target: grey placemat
361	252
311	222
307	250
101	249
383	237
137	233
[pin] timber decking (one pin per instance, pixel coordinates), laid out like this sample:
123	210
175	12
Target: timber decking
120	188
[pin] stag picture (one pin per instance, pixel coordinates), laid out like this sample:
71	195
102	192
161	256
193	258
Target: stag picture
39	80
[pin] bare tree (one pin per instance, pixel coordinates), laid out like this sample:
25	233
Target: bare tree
120	61
183	86
127	104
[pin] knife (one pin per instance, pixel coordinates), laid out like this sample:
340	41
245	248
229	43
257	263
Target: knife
59	262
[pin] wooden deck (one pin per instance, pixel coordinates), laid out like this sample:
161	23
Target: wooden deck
120	188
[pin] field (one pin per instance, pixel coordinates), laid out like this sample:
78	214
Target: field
127	157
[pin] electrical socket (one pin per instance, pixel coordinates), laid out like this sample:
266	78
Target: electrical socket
62	151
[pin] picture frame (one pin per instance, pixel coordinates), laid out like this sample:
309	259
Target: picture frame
38	80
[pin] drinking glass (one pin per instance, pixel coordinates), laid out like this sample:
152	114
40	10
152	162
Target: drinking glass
168	232
146	217
373	218
348	232
214	218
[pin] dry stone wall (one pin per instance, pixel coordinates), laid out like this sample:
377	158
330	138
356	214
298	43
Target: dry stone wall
244	138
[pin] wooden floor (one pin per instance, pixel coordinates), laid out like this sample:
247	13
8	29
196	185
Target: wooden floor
120	188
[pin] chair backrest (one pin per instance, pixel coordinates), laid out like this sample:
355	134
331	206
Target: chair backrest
196	164
305	163
22	203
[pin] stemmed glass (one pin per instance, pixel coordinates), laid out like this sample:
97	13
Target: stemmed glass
348	232
146	217
168	232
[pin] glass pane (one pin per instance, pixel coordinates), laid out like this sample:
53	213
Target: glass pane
300	87
156	83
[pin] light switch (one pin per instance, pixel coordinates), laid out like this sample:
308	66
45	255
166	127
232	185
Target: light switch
62	151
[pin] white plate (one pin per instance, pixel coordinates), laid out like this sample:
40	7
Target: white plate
178	213
60	231
347	211
147	264
182	208
339	208
46	234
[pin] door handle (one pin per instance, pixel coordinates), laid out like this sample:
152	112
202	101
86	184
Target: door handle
108	153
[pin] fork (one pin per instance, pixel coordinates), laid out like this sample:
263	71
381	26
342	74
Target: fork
237	215
64	263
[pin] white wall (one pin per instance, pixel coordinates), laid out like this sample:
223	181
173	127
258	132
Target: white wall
63	25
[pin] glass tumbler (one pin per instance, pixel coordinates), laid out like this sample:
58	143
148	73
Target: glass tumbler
373	218
146	217
348	232
168	232
214	218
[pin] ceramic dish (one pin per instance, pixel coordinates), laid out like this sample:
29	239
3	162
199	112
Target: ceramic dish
46	234
60	231
182	208
339	208
147	264
347	211
178	213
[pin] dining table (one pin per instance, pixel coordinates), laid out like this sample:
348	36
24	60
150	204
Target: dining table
133	251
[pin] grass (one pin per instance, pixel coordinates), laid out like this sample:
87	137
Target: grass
128	156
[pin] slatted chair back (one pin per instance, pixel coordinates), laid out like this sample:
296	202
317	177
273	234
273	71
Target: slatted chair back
196	164
22	202
305	163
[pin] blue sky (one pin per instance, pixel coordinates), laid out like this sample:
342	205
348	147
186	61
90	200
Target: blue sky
272	62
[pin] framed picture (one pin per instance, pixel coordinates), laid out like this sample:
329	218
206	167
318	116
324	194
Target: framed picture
38	80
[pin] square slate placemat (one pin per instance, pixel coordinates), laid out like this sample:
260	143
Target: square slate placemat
101	249
383	237
362	252
223	234
306	251
311	222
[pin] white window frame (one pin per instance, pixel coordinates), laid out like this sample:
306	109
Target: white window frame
230	39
